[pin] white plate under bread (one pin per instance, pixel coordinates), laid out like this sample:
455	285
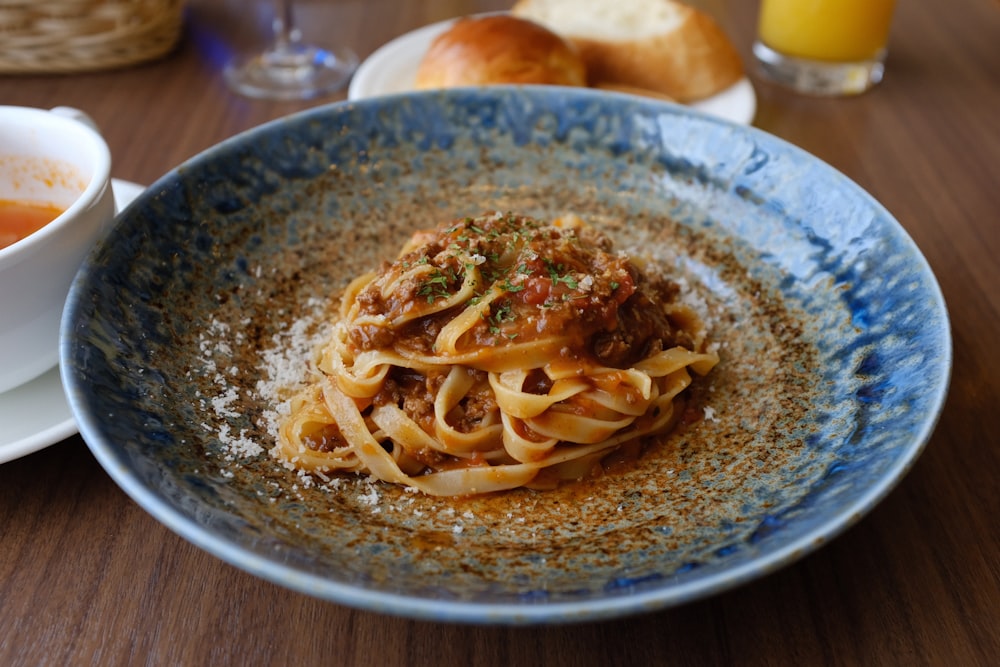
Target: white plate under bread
393	68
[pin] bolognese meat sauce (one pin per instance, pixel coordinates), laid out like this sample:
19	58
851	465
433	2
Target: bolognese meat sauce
562	277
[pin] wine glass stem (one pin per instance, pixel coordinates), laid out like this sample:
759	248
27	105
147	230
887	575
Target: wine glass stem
283	25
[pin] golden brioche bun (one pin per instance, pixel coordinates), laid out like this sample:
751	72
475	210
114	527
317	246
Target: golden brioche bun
499	49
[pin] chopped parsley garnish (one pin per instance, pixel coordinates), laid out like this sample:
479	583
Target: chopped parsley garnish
558	274
503	311
508	286
436	287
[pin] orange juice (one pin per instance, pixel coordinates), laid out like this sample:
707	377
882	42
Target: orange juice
829	30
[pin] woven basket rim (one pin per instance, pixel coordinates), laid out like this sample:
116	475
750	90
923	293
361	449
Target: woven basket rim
62	36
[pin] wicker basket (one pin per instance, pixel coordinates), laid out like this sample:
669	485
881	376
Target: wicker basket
42	36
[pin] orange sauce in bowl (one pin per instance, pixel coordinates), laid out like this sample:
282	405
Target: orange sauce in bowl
19	219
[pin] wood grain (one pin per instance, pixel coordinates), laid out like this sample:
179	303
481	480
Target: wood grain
87	577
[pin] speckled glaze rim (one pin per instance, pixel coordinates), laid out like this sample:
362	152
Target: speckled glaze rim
668	595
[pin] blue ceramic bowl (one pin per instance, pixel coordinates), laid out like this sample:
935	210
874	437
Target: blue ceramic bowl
205	297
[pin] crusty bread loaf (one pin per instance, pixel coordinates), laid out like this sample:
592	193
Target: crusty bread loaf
658	45
499	49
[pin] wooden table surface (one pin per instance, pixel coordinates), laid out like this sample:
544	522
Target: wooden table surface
87	577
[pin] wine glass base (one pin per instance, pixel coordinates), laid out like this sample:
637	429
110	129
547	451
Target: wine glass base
292	72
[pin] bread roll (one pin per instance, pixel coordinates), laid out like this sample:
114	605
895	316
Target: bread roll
499	49
658	45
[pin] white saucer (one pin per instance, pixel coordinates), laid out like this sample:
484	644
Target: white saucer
392	68
36	415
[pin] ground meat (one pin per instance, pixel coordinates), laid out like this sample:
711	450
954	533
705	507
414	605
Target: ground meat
371	336
563	279
475	407
643	326
413	392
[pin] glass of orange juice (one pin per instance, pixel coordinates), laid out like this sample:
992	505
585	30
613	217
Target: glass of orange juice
824	47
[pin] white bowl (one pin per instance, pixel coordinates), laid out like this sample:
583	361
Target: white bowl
55	157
